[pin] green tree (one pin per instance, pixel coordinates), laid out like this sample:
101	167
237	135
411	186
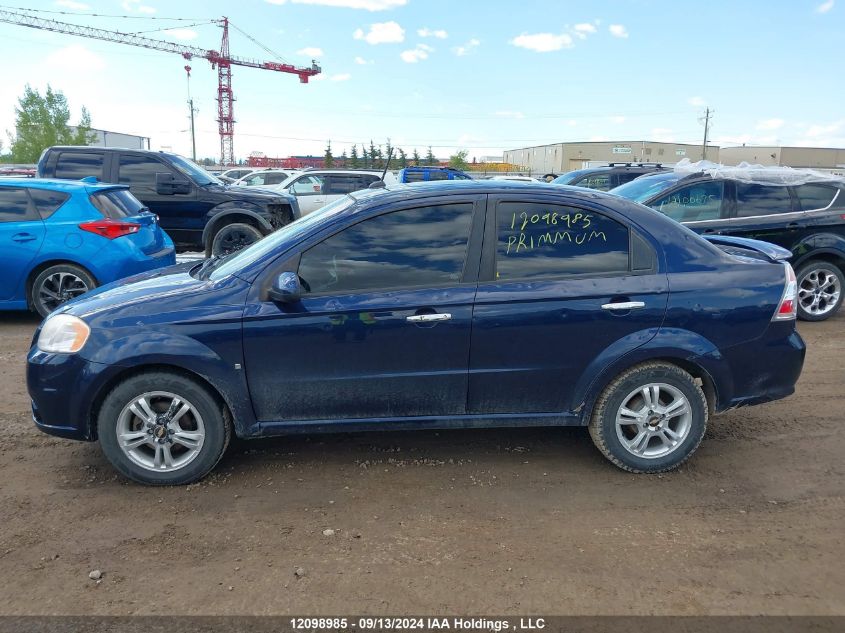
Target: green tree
328	159
415	158
459	159
344	159
365	157
354	162
403	158
43	121
429	158
388	151
373	155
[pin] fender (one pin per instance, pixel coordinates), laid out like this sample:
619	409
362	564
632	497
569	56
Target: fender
218	214
819	244
668	343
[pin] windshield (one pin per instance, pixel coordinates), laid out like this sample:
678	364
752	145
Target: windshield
193	171
643	188
572	175
289	233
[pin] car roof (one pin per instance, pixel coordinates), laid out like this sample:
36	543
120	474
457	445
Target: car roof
56	184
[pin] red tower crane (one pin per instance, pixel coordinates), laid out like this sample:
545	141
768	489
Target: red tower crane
221	60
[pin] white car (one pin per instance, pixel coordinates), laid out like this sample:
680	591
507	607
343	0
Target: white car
236	173
315	188
517	178
266	177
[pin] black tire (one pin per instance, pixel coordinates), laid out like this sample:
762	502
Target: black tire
603	427
57	285
808	276
212	413
231	238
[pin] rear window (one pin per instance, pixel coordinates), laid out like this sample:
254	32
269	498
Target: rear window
116	204
78	165
47	202
812	197
753	200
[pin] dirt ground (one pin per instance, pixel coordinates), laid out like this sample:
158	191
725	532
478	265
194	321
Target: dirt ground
476	521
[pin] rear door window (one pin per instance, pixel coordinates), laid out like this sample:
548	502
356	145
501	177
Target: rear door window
47	202
542	240
307	186
754	200
696	202
78	165
15	206
813	197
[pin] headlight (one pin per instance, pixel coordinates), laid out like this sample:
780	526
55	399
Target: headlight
63	334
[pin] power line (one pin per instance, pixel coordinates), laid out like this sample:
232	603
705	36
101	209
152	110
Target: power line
97	15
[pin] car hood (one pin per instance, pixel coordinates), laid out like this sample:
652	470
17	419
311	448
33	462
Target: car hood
157	297
250	194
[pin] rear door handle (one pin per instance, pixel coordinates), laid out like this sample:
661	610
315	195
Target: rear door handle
429	318
23	237
623	305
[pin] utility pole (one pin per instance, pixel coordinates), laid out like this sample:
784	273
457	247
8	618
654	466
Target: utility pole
193	135
707	114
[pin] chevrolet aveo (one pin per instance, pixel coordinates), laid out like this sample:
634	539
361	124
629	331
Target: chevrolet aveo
428	306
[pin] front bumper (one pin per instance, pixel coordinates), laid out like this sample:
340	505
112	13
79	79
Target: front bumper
63	389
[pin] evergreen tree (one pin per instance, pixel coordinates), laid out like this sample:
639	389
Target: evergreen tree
354	162
328	159
344	159
373	155
42	121
415	158
403	159
430	160
365	157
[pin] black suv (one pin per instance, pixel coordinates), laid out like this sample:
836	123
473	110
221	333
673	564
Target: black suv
196	209
807	218
606	178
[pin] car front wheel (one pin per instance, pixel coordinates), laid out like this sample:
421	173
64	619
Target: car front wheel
819	290
233	237
650	419
162	429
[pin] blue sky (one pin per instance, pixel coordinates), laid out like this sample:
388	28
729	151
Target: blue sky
484	75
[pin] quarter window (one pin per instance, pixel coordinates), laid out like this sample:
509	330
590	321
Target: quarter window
78	165
814	197
753	200
423	247
693	203
14	205
538	240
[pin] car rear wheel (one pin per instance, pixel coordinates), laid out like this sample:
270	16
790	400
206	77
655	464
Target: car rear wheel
57	285
233	237
820	286
650	419
162	429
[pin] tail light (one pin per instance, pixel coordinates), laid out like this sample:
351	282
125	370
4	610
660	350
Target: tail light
788	305
110	229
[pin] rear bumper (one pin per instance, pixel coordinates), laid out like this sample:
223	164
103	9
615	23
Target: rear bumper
132	261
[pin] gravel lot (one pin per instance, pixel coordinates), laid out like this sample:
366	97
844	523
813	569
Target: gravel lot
476	521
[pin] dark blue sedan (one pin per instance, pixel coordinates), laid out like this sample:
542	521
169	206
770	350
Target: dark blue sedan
426	306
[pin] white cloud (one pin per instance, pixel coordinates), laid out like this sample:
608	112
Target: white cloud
75	58
824	7
696	101
440	34
181	34
73	5
617	119
414	55
367	5
618	30
340	77
381	33
310	51
662	135
817	130
135	6
363	62
770	124
543	42
509	114
583	30
466	49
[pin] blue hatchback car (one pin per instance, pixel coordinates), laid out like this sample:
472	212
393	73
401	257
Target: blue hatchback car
428	306
60	239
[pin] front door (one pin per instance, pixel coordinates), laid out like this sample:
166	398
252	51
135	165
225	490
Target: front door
703	205
21	236
566	288
383	330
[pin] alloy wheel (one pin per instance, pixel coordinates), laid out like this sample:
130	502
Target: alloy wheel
653	420
60	288
818	291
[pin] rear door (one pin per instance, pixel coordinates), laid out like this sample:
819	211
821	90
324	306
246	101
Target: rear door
823	205
563	287
766	212
21	236
309	193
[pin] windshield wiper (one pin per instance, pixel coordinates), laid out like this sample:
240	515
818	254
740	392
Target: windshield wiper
208	265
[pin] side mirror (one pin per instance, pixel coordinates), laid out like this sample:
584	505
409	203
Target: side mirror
167	185
285	289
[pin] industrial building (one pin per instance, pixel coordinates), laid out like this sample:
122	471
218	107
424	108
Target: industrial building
105	138
828	158
559	158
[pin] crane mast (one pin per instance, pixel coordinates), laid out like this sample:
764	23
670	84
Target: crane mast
221	59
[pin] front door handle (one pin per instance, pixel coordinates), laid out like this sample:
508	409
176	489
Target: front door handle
429	318
623	305
23	237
